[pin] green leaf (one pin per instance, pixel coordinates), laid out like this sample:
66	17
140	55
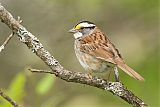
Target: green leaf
45	84
15	90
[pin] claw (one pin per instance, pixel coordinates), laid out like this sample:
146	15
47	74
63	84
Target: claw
90	75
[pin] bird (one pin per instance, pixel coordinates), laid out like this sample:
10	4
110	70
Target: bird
96	53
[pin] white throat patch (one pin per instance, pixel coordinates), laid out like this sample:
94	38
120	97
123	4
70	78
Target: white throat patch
77	35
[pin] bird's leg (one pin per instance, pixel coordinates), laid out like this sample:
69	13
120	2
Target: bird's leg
90	74
116	74
109	74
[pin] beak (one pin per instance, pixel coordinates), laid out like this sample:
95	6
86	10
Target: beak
73	30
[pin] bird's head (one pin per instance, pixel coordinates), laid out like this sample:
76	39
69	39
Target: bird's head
82	28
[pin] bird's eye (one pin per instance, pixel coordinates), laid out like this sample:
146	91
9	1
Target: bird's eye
82	27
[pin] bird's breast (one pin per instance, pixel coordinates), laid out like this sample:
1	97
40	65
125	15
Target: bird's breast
89	62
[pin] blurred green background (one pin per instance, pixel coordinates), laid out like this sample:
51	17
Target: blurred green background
132	25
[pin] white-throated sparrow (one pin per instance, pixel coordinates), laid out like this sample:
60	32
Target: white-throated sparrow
96	53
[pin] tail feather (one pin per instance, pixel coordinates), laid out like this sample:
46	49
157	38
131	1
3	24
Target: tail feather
130	71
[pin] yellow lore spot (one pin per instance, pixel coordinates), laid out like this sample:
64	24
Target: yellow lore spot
77	27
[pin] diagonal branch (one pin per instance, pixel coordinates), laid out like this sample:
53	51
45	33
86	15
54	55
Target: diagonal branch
8	99
117	88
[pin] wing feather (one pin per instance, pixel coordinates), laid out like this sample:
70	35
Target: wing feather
99	46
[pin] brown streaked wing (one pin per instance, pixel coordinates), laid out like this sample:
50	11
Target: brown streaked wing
99	46
103	54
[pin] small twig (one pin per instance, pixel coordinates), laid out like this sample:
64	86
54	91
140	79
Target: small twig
19	19
6	41
8	99
9	37
40	71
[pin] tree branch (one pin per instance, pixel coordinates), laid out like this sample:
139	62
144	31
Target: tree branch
8	99
6	42
117	88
